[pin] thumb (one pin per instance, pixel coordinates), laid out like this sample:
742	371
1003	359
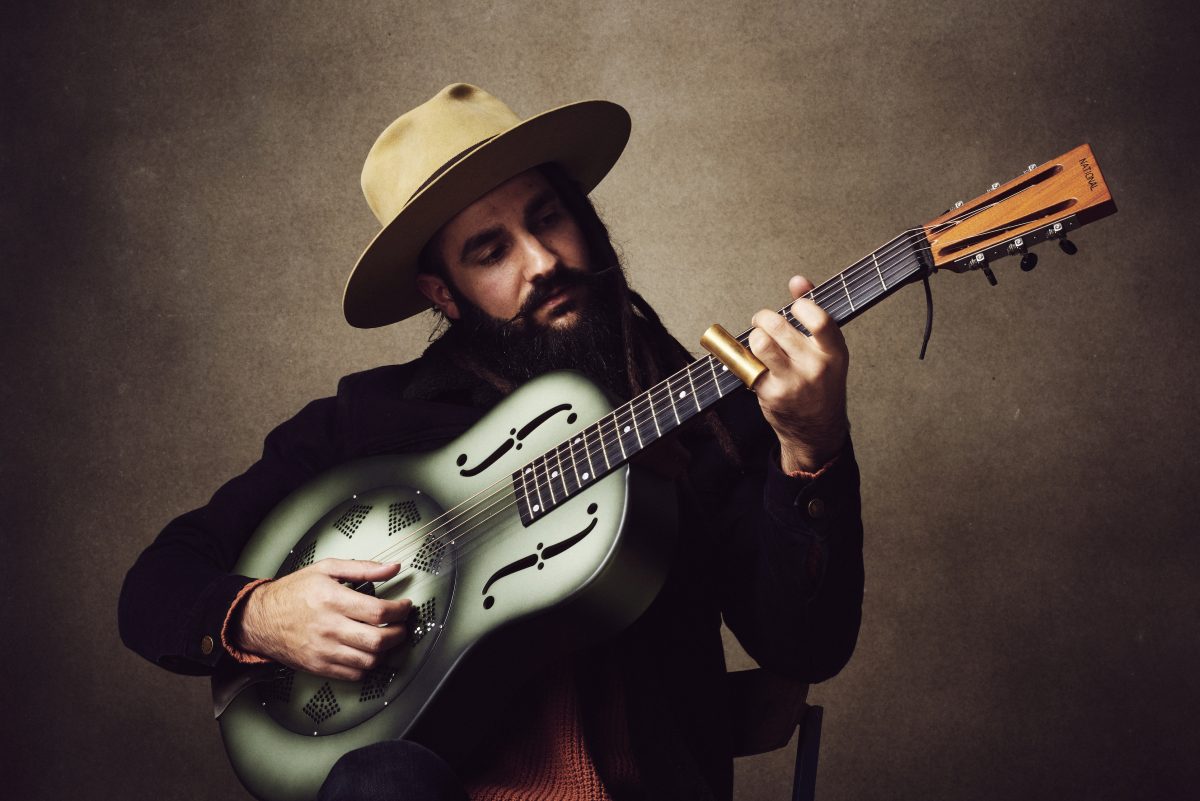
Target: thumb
357	569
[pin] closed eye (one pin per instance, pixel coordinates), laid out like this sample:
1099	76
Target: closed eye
548	219
492	256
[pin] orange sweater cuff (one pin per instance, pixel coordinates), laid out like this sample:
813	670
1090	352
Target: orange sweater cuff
235	612
808	475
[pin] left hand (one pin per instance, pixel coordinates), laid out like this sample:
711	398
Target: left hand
803	396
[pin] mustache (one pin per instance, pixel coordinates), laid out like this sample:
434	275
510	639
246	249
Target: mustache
562	278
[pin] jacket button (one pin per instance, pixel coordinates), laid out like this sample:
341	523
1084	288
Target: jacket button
816	508
206	645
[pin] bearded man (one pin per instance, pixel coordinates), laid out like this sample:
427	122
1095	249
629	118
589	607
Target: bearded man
486	219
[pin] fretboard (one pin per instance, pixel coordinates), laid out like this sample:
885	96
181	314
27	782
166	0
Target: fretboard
557	475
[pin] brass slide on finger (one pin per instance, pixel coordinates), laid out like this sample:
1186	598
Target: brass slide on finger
733	354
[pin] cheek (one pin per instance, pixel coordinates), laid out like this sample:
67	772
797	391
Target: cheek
572	246
497	292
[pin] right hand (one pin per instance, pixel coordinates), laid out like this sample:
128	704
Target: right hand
309	621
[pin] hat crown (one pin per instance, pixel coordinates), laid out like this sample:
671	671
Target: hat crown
426	140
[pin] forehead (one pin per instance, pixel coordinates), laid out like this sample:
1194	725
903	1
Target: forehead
508	200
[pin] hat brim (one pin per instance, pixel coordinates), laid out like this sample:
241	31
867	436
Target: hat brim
586	138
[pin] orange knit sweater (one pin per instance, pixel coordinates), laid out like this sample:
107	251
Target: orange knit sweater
542	756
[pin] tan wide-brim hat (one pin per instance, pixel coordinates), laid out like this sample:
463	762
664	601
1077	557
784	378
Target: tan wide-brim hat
437	159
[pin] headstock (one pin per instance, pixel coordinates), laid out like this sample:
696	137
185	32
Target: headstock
1045	202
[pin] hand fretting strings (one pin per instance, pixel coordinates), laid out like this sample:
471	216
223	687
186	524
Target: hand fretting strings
833	295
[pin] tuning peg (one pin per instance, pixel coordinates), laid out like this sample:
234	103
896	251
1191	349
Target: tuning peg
1028	260
979	262
1068	246
1031	168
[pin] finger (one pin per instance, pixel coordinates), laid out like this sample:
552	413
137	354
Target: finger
779	342
332	670
357	569
799	285
347	656
768	351
374	611
825	332
373	639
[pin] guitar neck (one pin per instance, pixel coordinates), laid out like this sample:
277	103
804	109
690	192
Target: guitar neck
557	475
1043	203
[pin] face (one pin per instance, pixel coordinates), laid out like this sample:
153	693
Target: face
501	252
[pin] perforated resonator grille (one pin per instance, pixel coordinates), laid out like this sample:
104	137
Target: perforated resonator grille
375	684
425	619
298	559
352	518
402	514
323	705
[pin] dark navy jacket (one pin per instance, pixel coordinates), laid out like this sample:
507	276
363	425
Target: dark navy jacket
784	573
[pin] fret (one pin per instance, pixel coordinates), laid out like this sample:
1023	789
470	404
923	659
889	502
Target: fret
574	463
879	272
626	427
712	363
692	386
674	395
617	433
551	477
572	472
653	415
522	492
587	452
669	422
537	486
645	423
559	473
603	446
846	289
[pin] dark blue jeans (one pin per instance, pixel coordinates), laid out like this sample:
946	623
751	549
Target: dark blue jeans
392	770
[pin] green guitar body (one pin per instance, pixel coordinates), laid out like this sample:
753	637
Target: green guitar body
494	597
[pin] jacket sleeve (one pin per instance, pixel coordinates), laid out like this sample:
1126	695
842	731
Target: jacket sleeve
176	596
794	588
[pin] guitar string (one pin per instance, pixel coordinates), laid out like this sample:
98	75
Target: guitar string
635	411
890	251
894	251
708	388
450	521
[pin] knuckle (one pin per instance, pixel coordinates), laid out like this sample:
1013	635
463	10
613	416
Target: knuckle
375	614
772	321
374	641
769	393
760	340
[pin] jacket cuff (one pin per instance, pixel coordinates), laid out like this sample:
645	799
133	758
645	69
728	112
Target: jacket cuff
810	503
203	635
232	618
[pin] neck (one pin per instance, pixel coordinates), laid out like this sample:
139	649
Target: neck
608	443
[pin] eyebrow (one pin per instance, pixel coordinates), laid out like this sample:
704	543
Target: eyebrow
488	235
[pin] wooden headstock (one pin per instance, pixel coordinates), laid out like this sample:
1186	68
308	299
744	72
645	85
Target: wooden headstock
1044	203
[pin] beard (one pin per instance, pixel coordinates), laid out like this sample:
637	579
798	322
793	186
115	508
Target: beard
521	348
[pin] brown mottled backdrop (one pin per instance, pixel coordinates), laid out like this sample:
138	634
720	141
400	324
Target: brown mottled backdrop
180	207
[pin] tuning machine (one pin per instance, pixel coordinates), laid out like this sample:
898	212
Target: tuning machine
1029	259
1057	231
980	263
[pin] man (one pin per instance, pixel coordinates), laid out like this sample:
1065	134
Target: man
486	219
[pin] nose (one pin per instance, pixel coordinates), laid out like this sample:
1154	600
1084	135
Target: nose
540	261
